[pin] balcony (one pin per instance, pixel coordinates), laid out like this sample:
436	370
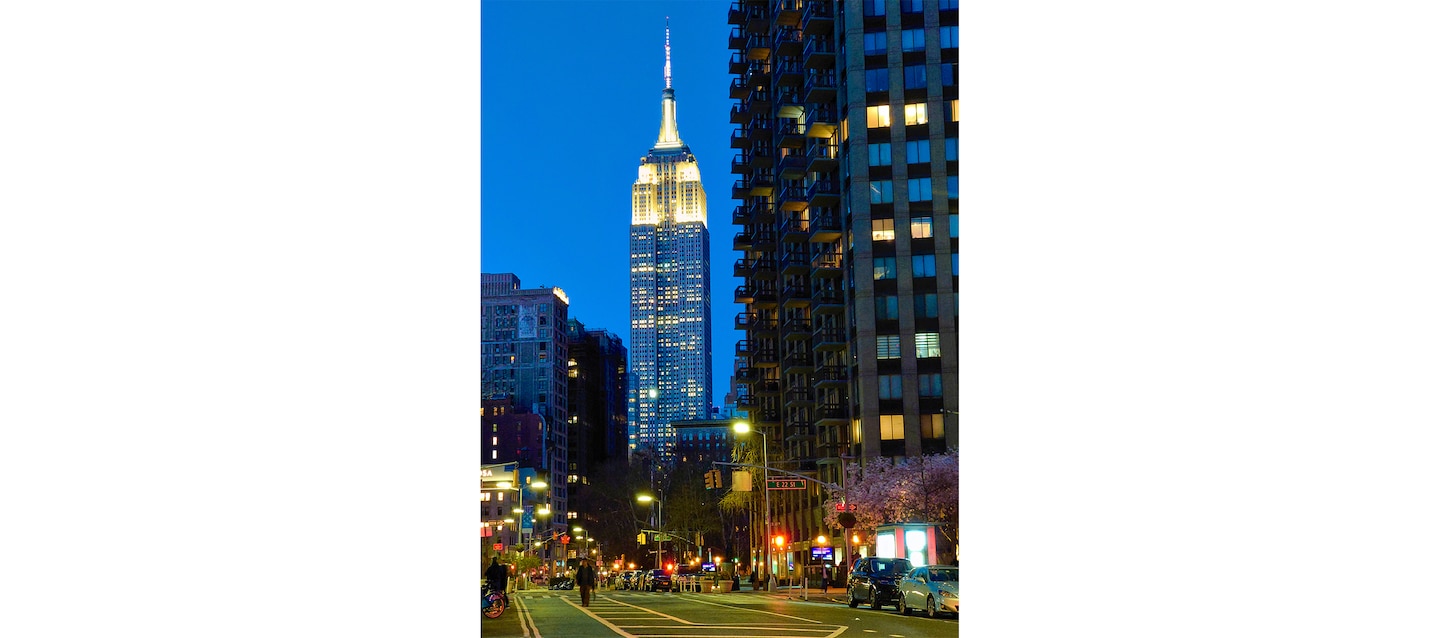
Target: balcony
744	239
762	211
757	16
744	267
825	226
823	263
744	320
820	122
818	17
740	138
757	46
797	295
738	89
765	386
819	52
763	156
822	156
827	300
765	267
788	42
766	358
832	412
743	348
831	375
796	361
740	216
819	88
764	297
796	432
765	416
758	74
736	15
799	395
829	338
760	99
796	229
796	325
791	134
741	112
765	239
740	189
740	164
738	63
736	41
762	184
824	193
792	166
795	263
744	294
746	401
792	198
747	374
787	12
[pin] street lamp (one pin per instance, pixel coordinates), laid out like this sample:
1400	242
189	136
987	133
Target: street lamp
659	524
742	427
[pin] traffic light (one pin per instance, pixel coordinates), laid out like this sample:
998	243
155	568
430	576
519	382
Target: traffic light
779	541
640	538
718	483
710	480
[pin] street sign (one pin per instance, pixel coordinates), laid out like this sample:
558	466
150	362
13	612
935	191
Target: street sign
785	484
498	546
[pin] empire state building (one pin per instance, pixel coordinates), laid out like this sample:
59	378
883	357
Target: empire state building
670	371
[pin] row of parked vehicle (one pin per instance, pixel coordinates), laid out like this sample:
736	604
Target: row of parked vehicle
645	580
894	581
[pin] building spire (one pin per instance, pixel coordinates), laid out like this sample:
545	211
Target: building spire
669	131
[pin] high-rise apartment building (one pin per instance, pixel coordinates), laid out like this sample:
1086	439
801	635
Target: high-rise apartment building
525	359
670	373
597	392
846	114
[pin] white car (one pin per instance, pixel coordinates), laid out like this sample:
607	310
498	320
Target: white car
931	588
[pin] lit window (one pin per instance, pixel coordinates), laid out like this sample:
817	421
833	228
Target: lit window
892	427
921	228
950	153
912	40
952	183
882	230
915	114
844	129
922	266
485	497
873	7
877	116
954	225
920	189
949	37
887	347
879	154
927	345
912	6
882	192
932	426
917	152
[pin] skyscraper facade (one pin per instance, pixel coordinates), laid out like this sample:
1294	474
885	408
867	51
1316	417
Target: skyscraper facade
670	372
524	359
597	394
846	121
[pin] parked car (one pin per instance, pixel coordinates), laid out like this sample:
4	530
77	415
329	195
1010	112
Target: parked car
656	580
932	589
562	583
626	580
635	579
873	580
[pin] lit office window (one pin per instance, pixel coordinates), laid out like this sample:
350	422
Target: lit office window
892	427
932	426
882	192
884	268
921	228
915	114
931	385
927	345
912	40
877	116
887	347
890	386
882	230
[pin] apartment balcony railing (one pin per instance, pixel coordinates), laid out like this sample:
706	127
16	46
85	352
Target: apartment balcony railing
736	40
764	296
822	156
765	267
797	324
741	113
817	17
744	239
740	216
757	47
822	263
795	432
789	42
789	73
744	294
820	88
745	320
767	356
738	63
747	374
786	12
819	52
736	15
744	267
829	339
764	238
796	228
820	122
828	374
798	360
799	395
740	164
823	192
825	227
762	211
790	134
740	138
795	263
792	198
792	166
832	412
828	300
743	347
765	386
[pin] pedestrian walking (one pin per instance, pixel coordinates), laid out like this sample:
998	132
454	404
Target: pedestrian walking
585	580
497	574
825	580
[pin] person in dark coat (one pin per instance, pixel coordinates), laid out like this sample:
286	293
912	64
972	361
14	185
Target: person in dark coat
496	574
585	580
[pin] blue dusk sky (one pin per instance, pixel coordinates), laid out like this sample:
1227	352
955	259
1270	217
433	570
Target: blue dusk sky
570	102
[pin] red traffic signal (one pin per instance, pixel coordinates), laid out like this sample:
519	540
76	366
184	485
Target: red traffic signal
565	540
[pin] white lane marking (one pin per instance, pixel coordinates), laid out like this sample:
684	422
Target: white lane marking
652	611
760	611
533	630
618	631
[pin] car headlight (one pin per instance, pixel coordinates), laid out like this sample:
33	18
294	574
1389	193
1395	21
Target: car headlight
946	594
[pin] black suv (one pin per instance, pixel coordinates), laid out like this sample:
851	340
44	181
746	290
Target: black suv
657	580
873	580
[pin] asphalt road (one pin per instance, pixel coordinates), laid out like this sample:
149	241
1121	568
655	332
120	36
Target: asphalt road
557	614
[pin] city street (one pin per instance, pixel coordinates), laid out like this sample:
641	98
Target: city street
557	614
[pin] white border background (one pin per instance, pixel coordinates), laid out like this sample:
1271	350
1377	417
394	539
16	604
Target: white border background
239	271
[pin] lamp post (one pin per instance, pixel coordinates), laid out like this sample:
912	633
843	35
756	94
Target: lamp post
742	427
659	524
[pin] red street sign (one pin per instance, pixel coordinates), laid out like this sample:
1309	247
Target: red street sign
498	546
